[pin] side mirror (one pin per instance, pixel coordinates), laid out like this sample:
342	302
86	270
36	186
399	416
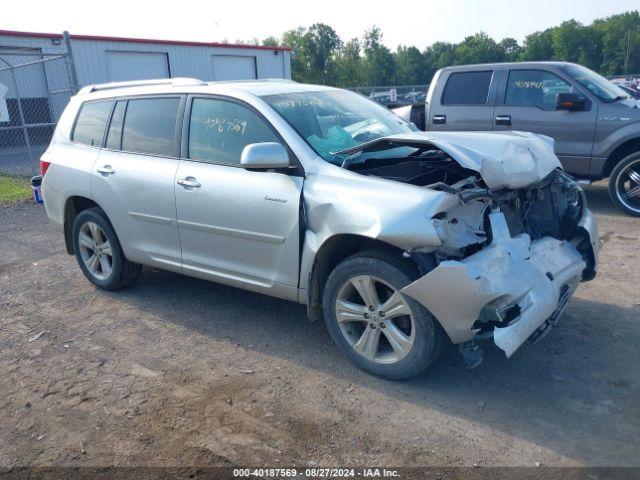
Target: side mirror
570	101
264	156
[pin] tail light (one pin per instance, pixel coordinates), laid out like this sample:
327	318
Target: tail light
44	166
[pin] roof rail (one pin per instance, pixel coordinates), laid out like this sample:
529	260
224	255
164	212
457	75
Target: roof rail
176	82
253	80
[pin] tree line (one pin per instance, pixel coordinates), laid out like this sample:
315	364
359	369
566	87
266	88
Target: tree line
610	46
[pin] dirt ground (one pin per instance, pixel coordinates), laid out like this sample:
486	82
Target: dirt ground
177	371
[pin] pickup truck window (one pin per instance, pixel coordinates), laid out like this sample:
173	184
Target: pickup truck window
601	87
467	88
534	88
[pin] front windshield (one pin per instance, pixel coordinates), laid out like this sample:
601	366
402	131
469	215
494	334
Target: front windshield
601	87
335	120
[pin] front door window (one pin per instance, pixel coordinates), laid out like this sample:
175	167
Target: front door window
534	88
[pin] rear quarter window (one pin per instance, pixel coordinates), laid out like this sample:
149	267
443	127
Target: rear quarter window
114	135
91	123
467	88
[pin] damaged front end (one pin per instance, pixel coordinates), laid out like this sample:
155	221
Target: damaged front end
515	245
509	261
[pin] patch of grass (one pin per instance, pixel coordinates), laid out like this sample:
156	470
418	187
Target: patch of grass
13	189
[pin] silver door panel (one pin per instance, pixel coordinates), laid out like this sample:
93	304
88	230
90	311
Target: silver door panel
240	227
139	200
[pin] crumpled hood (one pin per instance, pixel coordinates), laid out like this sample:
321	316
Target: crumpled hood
504	159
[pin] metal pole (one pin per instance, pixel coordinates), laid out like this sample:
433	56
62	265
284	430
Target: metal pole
46	82
626	57
23	122
73	76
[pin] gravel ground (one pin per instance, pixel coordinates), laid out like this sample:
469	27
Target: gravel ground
177	371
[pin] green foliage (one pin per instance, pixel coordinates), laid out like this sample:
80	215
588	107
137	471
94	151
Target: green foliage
300	66
478	48
13	189
411	66
271	42
379	62
313	52
574	42
438	55
538	46
349	65
609	45
321	43
510	49
620	43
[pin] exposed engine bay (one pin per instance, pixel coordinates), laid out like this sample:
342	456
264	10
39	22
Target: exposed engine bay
551	208
515	244
500	235
417	165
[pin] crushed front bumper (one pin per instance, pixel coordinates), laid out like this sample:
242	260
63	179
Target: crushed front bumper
518	285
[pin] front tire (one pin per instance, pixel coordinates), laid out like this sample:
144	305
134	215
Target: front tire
624	185
99	253
382	331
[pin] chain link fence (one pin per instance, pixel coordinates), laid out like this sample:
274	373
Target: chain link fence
34	90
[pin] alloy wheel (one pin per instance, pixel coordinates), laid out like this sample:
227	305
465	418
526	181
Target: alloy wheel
628	186
95	250
375	319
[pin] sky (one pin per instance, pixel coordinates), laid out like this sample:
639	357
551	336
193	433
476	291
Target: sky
410	22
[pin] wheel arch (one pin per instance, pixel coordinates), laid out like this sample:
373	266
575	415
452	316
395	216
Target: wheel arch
332	251
620	152
72	207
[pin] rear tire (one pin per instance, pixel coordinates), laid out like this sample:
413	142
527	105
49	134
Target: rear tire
99	253
406	337
624	185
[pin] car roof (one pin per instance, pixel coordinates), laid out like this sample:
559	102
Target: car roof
191	85
502	65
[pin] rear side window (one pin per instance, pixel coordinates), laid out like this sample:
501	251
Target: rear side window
150	126
219	130
534	88
467	88
114	136
91	122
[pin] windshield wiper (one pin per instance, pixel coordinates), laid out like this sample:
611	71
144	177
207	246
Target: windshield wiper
346	163
618	98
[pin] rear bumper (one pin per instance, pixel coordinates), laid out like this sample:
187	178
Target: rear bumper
514	282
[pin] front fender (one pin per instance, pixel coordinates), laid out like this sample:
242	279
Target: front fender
391	212
605	147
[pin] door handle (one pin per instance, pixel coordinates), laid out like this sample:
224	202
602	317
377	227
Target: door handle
106	170
503	119
189	182
439	119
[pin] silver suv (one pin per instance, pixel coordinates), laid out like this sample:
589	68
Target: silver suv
402	241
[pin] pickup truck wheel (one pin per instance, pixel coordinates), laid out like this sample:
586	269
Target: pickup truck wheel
98	252
624	185
382	331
